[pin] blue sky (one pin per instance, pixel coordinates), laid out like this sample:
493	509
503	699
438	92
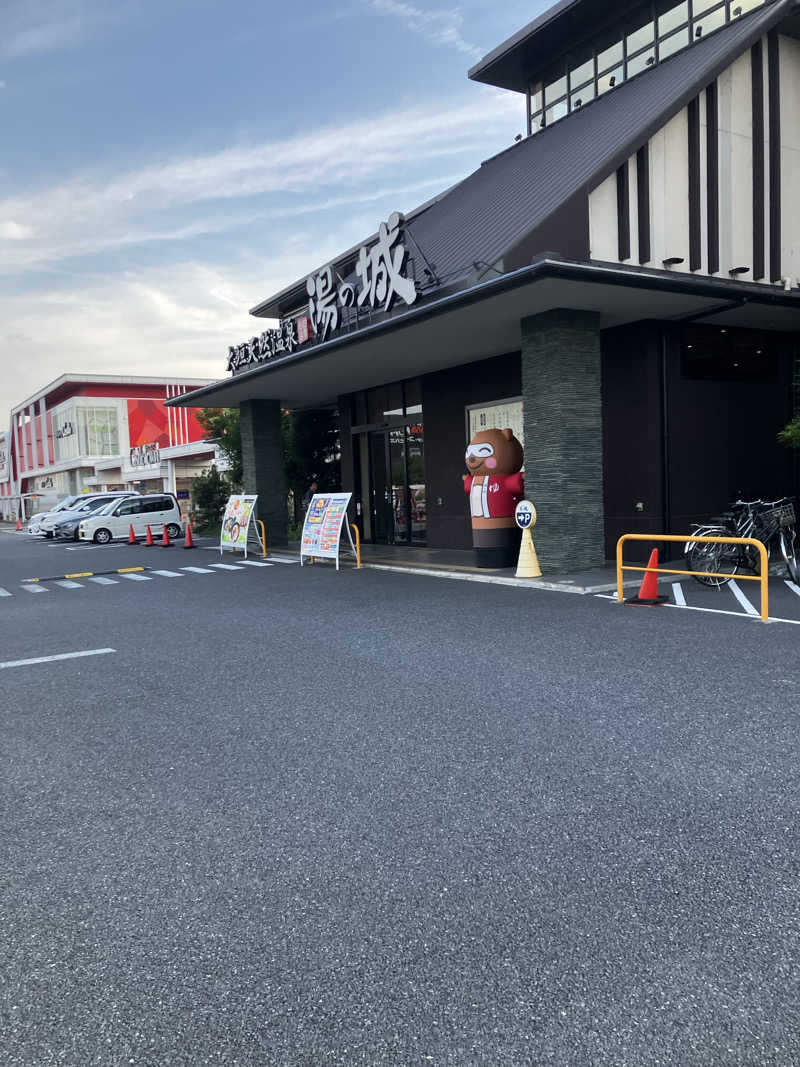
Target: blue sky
166	164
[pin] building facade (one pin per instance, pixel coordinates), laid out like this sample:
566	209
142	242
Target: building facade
620	288
83	433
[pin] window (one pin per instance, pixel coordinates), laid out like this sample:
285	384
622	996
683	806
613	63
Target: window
672	19
578	76
129	507
97	431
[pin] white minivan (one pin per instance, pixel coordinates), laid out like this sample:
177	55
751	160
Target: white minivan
156	510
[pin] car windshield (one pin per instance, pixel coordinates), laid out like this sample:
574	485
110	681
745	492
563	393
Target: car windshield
108	507
67	502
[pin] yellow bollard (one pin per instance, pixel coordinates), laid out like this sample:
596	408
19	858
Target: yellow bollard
528	563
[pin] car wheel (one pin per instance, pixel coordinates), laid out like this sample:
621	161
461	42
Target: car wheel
49	535
173	530
102	537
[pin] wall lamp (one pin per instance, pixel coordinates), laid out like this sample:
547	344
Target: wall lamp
735	271
673	261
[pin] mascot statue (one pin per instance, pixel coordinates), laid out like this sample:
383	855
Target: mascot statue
495	487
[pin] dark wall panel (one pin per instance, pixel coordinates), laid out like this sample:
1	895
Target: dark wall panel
632	452
723	439
445	395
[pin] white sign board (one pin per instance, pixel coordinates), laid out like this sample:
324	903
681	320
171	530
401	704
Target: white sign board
322	528
236	522
498	416
5	451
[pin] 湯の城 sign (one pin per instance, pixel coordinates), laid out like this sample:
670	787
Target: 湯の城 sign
236	522
322	529
379	282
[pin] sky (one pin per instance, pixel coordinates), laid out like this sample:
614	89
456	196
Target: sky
167	164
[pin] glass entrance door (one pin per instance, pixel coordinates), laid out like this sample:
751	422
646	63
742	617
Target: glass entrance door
397	485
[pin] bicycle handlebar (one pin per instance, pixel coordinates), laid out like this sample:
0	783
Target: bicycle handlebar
763	503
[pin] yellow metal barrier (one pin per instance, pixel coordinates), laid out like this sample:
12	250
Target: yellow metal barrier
354	530
763	577
264	552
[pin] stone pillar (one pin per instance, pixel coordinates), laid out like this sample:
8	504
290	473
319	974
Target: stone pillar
262	461
564	437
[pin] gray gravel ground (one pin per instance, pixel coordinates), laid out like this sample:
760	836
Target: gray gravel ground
302	818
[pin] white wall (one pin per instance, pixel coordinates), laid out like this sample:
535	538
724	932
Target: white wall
790	156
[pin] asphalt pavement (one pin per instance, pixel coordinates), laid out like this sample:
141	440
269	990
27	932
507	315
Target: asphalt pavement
296	817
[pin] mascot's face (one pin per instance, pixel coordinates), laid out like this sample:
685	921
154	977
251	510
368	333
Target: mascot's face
494	452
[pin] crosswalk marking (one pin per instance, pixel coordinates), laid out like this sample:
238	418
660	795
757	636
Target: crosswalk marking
677	593
136	577
36	588
168	574
104	581
197	570
737	592
226	566
70	585
255	563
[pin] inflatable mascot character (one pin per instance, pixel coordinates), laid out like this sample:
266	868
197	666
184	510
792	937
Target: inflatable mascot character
495	487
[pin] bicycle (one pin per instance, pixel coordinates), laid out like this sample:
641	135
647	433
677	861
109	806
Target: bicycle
771	522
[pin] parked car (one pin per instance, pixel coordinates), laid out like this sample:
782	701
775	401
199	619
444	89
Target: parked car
115	520
70	520
35	520
85	503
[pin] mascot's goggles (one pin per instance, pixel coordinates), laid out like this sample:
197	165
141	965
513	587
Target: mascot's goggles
480	451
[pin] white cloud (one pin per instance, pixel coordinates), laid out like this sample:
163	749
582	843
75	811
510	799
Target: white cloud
32	27
442	26
182	198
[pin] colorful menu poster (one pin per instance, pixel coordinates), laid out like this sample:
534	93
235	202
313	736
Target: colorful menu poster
322	529
236	522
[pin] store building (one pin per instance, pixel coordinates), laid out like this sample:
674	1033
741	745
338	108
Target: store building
83	433
620	288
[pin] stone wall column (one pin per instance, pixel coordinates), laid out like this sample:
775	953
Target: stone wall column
262	461
564	437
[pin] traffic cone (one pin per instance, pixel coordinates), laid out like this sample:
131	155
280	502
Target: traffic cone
165	541
132	537
187	541
148	541
19	526
528	563
648	591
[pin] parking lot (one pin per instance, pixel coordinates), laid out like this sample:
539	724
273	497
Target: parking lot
267	815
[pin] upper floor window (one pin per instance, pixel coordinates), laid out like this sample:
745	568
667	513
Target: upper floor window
577	79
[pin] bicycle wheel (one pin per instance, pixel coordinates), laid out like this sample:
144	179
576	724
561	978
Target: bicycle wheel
720	559
789	553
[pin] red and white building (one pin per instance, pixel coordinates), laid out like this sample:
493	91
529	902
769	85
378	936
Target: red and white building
84	432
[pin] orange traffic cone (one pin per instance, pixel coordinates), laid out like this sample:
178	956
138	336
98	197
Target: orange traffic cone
132	537
648	591
165	541
148	541
188	542
19	526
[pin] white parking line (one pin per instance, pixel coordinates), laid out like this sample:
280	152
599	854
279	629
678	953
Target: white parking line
5	592
226	566
104	581
677	592
255	563
197	570
168	574
743	600
70	585
136	577
794	588
280	559
52	659
36	588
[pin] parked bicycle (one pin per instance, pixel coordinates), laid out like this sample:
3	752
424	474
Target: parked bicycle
771	522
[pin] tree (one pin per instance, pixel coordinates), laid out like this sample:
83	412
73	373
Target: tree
222	425
790	434
210	492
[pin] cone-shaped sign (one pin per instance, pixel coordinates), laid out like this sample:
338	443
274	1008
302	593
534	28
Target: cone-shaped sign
528	563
